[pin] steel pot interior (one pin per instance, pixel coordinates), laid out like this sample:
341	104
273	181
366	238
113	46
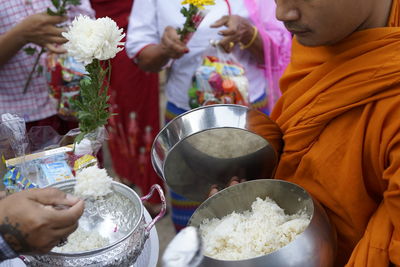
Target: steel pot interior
211	144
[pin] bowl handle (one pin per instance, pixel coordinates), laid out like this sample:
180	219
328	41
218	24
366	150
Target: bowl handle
163	204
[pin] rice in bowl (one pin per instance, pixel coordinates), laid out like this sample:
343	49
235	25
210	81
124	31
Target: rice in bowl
257	232
82	240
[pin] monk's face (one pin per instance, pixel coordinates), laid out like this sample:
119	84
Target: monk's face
326	22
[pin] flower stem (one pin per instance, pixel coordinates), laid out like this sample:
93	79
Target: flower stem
28	81
109	72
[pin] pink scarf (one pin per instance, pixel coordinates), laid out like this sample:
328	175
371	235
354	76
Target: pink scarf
277	44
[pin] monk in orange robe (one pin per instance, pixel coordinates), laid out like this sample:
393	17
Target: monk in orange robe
340	118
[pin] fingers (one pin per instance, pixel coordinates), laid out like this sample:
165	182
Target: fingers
221	22
52	31
65	232
47	196
66	217
228	32
172	44
228	44
55	49
55	19
52	196
231	33
234	180
213	191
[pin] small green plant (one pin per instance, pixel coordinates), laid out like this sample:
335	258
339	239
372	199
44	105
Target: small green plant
92	103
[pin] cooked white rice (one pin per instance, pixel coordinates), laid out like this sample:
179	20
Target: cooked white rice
262	230
92	182
227	143
82	240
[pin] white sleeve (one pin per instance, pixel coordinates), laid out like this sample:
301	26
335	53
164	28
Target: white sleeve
142	28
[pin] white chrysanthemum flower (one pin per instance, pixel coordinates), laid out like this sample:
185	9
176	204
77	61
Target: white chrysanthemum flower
90	39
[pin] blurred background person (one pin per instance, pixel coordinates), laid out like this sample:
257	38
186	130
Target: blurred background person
25	23
259	42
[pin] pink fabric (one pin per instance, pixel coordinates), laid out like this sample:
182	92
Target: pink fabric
277	44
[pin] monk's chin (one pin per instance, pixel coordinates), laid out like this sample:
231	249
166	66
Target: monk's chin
312	41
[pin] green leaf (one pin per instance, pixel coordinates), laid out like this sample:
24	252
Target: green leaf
51	12
30	50
79	138
184	11
92	103
191	29
40	69
74	2
56	3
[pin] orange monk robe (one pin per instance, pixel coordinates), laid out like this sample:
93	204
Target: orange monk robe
340	116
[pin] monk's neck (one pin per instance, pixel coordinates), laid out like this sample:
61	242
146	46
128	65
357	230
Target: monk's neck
379	15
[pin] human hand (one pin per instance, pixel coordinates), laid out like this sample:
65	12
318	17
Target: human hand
239	30
36	220
41	29
172	45
234	180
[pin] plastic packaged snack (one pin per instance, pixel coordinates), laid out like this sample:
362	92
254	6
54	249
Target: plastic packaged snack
54	172
220	79
63	75
15	181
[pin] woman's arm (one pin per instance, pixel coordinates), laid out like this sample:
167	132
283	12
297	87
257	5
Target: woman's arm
39	29
240	31
153	57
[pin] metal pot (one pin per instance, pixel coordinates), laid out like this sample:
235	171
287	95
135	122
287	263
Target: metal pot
315	247
211	144
118	217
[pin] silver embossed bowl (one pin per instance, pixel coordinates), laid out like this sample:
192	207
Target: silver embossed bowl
118	217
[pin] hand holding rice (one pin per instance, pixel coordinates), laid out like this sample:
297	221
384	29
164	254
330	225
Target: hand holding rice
92	182
262	230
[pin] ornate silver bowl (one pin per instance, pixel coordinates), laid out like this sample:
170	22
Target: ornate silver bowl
118	217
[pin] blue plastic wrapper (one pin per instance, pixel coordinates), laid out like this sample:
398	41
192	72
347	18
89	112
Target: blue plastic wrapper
14	181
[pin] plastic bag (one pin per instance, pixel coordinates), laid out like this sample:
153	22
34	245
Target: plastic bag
12	127
64	75
220	79
84	153
13	131
43	138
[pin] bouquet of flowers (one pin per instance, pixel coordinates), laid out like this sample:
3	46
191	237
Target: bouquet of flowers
194	15
94	43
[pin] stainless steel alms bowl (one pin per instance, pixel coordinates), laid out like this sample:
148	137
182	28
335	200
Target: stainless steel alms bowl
315	247
211	144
